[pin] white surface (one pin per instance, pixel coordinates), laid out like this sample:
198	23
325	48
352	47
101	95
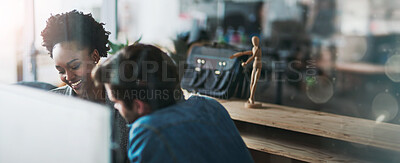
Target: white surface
40	127
157	24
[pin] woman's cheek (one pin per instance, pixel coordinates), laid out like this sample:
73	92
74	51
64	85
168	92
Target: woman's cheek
85	70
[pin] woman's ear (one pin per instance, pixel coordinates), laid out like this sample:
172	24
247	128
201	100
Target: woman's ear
95	56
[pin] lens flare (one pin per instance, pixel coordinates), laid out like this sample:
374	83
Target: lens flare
392	68
352	48
320	91
384	107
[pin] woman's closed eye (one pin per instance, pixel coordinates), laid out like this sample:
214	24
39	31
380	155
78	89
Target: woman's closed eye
75	67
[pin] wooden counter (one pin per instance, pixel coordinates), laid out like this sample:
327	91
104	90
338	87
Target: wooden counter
356	130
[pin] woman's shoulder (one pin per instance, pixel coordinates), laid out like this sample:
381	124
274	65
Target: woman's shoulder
64	90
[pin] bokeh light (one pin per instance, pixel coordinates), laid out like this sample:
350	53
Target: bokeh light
392	68
320	91
352	48
384	107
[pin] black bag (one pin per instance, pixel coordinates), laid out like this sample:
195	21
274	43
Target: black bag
211	72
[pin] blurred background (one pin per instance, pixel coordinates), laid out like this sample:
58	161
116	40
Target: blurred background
336	56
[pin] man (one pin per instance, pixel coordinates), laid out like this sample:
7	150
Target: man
144	84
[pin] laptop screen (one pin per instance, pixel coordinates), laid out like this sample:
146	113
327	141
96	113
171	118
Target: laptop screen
38	127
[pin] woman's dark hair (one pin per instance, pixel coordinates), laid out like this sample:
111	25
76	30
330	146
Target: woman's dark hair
141	72
76	26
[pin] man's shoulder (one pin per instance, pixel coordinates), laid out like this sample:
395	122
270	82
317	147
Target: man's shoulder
206	103
208	100
193	109
202	100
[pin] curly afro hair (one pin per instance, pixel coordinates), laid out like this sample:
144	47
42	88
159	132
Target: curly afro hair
75	26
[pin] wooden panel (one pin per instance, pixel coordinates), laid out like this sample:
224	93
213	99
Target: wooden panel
292	150
328	125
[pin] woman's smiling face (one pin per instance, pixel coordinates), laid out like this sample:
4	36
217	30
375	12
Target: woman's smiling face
74	65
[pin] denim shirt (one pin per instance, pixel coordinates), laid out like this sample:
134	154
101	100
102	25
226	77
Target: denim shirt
196	130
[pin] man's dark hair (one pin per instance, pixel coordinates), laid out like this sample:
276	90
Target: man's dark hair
141	72
76	26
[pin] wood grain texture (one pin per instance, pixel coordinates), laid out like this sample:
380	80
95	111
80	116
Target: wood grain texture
350	129
294	151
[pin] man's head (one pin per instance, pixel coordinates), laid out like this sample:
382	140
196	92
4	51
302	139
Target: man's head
140	79
76	42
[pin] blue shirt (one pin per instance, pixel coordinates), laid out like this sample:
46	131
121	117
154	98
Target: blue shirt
196	130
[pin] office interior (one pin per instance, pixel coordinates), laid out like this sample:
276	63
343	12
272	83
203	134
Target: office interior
332	57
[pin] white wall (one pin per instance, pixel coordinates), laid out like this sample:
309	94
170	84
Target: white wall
11	15
354	20
156	20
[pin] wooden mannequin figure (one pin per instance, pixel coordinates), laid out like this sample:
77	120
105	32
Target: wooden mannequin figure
255	74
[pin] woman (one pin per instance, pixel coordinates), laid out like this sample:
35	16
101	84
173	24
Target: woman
76	42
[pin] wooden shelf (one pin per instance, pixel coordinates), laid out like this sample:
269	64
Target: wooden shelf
293	150
360	68
350	129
